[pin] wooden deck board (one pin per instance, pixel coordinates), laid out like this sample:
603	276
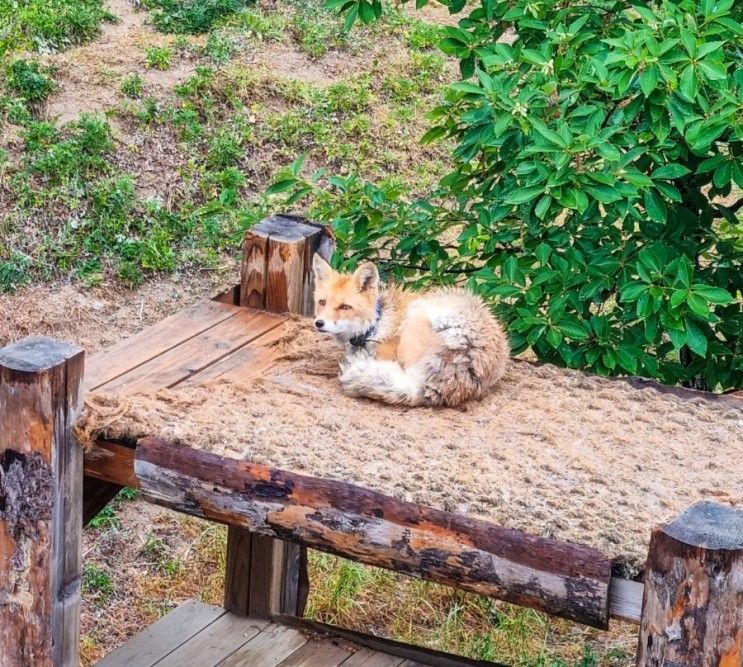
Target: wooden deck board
116	360
196	353
164	636
268	649
215	642
207	636
316	654
250	361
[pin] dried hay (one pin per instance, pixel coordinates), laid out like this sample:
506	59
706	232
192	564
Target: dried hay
553	452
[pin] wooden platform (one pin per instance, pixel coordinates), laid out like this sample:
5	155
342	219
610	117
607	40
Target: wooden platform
206	341
201	635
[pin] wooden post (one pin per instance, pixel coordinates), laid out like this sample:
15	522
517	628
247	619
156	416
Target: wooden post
692	611
266	576
41	473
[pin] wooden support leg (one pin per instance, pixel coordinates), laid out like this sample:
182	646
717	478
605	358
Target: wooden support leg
266	576
692	611
41	473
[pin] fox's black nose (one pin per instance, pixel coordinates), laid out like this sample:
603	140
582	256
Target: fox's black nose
319	324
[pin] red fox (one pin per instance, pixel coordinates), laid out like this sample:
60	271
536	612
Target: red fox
442	347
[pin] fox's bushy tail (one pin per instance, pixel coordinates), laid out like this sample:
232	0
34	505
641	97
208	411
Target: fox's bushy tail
384	381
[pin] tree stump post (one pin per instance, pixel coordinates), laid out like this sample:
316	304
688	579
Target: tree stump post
41	474
692	610
266	576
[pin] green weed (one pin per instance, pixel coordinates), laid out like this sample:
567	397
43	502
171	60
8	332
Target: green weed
14	271
159	57
132	85
49	25
30	80
219	47
257	25
191	16
97	582
106	518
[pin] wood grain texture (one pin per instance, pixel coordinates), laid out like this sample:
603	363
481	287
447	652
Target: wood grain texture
625	599
276	276
277	263
214	643
41	383
268	649
195	354
316	654
692	613
132	352
563	579
164	636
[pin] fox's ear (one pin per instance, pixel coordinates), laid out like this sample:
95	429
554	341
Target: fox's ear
321	269
366	277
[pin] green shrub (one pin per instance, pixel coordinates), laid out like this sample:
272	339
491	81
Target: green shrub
30	80
592	195
191	16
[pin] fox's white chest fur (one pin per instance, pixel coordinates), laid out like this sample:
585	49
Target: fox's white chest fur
442	347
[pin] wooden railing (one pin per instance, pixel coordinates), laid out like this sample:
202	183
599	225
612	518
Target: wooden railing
691	613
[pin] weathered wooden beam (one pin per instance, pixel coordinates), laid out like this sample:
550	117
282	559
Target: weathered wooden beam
559	578
692	612
41	473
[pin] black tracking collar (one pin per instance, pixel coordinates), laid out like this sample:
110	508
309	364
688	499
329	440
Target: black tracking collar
362	339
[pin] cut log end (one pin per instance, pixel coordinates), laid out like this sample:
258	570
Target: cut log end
36	354
708	526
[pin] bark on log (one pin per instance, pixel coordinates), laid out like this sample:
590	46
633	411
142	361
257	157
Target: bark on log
692	614
41	472
563	579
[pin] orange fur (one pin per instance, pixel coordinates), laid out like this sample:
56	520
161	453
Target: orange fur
442	347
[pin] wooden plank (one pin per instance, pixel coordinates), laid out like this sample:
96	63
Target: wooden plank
164	636
316	654
411	655
250	361
265	579
625	599
268	648
692	610
198	352
365	657
214	643
559	578
41	393
154	341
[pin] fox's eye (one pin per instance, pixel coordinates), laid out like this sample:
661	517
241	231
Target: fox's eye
321	302
344	306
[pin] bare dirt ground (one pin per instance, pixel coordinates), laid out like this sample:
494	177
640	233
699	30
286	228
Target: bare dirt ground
96	318
88	75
